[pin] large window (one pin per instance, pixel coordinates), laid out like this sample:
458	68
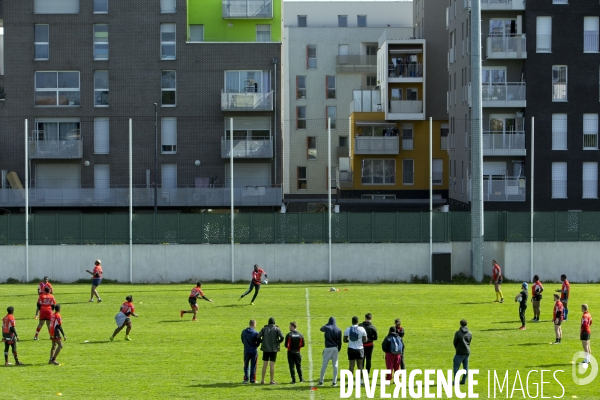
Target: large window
58	129
167	41
330	87
196	33
57	88
41	41
378	171
168	135
247	82
100	42
168	88
590	180
101	88
543	35
56	7
559	83
590	131
590	34
301	117
437	171
100	6
361	21
301	87
302	21
559	131
263	33
311	56
101	135
408	172
168	6
342	21
331	112
559	180
311	148
301	178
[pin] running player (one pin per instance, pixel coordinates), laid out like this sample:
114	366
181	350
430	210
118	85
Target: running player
43	284
96	280
196	292
55	330
9	336
536	297
46	303
557	318
122	318
497	280
255	283
586	332
565	293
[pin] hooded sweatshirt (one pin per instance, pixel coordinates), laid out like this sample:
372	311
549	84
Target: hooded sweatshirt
333	334
462	341
250	339
270	337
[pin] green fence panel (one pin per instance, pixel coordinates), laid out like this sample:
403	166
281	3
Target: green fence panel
44	229
117	229
409	227
93	228
263	228
544	226
502	230
567	226
491	231
4	229
216	228
339	227
288	228
313	228
167	228
143	229
440	224
460	226
242	225
384	227
518	227
190	228
361	228
69	229
590	226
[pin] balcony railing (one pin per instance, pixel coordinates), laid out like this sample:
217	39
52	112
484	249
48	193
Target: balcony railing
376	145
248	148
252	9
508	188
55	149
590	41
503	144
410	70
507	47
247	101
406	106
345	180
502	5
510	94
356	63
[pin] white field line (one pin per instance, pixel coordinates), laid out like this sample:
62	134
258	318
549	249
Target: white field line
308	340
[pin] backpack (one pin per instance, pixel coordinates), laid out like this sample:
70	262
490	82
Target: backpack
354	334
395	345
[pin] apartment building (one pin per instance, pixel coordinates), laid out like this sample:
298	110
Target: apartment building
181	70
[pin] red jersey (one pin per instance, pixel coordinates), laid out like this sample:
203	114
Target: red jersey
55	321
7	323
42	287
97	272
534	288
586	323
46	301
196	292
566	286
496	272
558	307
127	308
257	276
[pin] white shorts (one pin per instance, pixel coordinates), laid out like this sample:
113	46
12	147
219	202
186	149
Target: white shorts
120	319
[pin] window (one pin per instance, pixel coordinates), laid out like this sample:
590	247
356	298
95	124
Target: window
560	1
57	88
300	87
342	21
100	42
378	171
590	34
559	180
168	135
412	94
437	171
543	35
590	180
343	141
311	56
263	33
371	81
247	81
55	7
101	135
329	87
41	41
559	83
168	176
559	131
371	50
58	129
330	112
301	117
361	21
408	172
444	130
590	131
196	33
301	174
100	6
302	21
168	88
311	148
396	94
407	136
101	88
168	6
167	41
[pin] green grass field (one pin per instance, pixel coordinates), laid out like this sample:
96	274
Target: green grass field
174	357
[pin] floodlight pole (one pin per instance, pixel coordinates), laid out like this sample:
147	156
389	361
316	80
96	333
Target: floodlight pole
155	158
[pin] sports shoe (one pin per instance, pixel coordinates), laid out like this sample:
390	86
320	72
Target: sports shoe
272	383
522	328
35	337
127	338
496	301
291	383
90	300
99	300
251	303
501	300
302	380
244	381
54	362
112	338
181	313
320	384
7	363
19	363
333	383
262	382
555	342
194	319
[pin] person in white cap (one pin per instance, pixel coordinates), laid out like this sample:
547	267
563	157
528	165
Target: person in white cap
96	280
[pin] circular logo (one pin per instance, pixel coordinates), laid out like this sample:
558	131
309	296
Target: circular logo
582	368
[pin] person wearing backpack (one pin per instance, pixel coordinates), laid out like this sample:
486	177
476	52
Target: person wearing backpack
462	344
392	347
355	336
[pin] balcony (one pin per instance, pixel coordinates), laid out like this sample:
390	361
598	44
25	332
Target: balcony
345	180
356	64
376	145
504	144
405	109
247	148
250	9
491	5
410	72
55	149
506	188
507	47
511	94
447	17
247	101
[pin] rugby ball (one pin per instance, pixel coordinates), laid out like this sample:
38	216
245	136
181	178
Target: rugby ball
265	281
519	299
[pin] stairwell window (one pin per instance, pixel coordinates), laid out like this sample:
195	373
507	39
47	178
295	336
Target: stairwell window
559	83
311	56
330	87
590	131
167	42
301	87
311	148
41	41
101	88
168	135
100	42
168	88
302	181
330	112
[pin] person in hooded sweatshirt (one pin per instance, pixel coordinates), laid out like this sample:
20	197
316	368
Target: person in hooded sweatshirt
462	344
250	341
333	345
392	359
270	336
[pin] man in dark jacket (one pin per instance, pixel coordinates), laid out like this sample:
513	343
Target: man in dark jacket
371	337
294	341
333	345
250	341
270	336
392	359
462	344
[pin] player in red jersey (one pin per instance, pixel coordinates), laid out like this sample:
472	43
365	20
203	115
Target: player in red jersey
565	293
96	280
586	332
55	330
196	292
46	303
557	318
497	280
43	284
536	297
9	336
122	318
255	282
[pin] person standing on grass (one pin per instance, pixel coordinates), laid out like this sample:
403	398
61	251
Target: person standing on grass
355	336
251	342
400	332
41	290
294	341
46	303
536	297
565	293
497	280
521	298
255	282
122	318
333	345
9	336
371	337
96	280
462	346
55	330
392	347
270	336
586	332
557	318
196	292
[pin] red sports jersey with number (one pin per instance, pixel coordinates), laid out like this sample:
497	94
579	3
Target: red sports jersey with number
196	292
42	287
586	323
566	286
54	323
257	276
97	272
8	322
127	308
496	272
558	307
46	301
534	289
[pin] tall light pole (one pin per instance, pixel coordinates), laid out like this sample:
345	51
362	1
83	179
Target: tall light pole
155	158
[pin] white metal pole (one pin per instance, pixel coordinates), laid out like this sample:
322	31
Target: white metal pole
430	200
130	202
231	191
26	204
329	188
531	211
